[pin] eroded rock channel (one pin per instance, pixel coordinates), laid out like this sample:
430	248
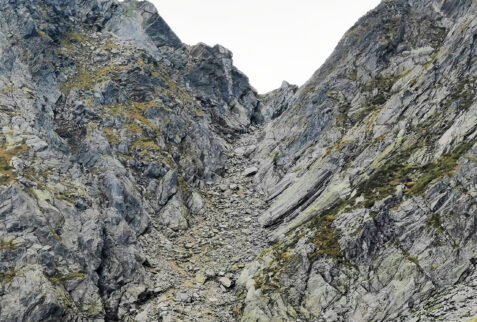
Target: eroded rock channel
195	271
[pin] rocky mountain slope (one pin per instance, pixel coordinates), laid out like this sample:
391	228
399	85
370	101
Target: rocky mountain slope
109	123
371	173
143	179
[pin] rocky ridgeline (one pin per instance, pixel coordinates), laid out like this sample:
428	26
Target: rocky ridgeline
142	179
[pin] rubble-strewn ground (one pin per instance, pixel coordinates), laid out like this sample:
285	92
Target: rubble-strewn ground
195	272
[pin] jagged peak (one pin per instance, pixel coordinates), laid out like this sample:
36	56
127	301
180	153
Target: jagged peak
151	22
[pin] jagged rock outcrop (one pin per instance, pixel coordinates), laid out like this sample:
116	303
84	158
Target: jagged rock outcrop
276	102
371	175
108	122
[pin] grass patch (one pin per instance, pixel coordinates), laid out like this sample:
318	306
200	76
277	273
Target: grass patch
444	166
326	235
7	90
8	276
145	144
6	170
110	135
435	221
109	45
410	258
65	278
182	183
65	197
463	93
133	112
384	181
7	245
53	233
70	39
415	177
133	127
357	33
86	79
326	238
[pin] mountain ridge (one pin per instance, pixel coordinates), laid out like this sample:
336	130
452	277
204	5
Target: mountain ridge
371	132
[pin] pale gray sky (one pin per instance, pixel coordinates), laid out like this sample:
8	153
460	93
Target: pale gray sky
272	40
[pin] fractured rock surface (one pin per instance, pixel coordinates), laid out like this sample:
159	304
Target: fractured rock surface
372	180
143	179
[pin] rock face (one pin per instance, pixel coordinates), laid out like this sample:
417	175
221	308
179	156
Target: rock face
108	122
277	101
135	185
371	175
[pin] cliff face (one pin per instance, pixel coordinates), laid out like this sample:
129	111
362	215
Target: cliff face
118	140
107	119
371	175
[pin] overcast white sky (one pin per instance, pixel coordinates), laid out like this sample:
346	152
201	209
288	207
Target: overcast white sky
272	40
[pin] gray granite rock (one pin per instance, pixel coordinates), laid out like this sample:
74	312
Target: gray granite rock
118	184
369	174
105	133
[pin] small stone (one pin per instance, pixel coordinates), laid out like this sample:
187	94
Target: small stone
200	278
225	282
233	186
36	144
142	316
250	171
196	203
158	290
239	151
249	150
183	297
167	317
81	205
210	273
